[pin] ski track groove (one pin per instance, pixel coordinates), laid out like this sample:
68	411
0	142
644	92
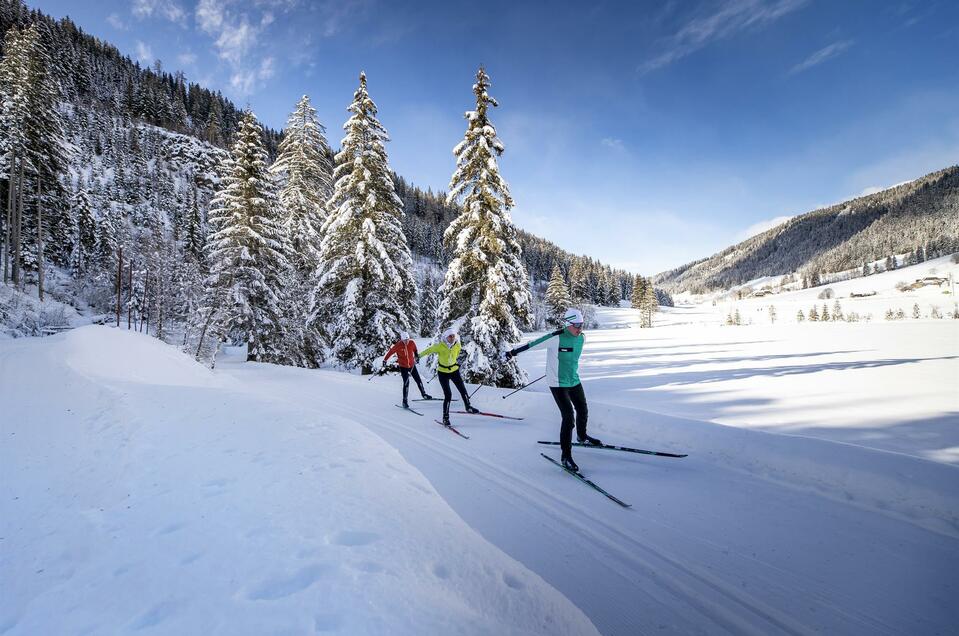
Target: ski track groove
614	554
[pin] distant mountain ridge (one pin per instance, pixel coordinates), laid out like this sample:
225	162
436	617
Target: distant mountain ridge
918	215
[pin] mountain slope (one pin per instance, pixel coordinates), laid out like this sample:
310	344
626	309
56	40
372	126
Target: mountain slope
920	214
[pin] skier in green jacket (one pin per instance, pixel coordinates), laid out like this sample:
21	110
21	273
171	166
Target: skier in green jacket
564	347
447	351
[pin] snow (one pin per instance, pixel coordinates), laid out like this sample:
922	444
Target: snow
820	494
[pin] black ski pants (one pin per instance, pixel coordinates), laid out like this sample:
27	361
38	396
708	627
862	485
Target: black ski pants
570	399
406	373
457	379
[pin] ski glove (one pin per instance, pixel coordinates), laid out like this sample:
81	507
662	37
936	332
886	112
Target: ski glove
506	355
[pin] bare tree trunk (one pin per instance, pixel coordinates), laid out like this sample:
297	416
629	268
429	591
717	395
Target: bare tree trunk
130	301
119	282
146	298
39	241
160	305
17	229
11	195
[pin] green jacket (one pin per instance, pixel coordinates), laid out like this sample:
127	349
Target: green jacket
562	356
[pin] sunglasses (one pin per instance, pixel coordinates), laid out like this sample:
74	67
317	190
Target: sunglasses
576	325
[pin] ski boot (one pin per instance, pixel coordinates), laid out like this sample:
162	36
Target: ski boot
569	464
427	396
471	409
446	421
589	441
406	404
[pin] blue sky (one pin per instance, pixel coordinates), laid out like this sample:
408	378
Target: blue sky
646	134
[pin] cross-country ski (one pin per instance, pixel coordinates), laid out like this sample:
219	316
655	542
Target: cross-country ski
703	255
618	448
578	475
452	429
487	414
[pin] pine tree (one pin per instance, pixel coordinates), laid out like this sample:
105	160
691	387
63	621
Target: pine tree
651	304
772	314
194	228
84	234
486	291
639	293
365	293
429	306
305	174
800	316
579	282
557	297
813	314
246	247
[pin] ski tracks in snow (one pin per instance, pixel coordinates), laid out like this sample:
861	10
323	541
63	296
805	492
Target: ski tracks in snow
595	556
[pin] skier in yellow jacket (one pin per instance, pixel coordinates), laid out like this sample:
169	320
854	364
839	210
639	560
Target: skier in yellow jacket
447	351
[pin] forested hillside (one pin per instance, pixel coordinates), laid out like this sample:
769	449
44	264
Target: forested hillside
113	168
915	220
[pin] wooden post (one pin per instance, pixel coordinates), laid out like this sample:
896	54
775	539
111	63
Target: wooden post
39	241
119	281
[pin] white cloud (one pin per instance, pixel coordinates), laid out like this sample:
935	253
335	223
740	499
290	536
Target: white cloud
612	142
161	8
186	59
144	54
731	17
761	226
244	81
116	22
821	56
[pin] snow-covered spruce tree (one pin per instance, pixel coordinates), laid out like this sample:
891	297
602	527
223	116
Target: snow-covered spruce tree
305	175
246	248
639	292
557	297
486	291
365	292
429	306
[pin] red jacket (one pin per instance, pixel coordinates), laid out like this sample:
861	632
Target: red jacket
405	353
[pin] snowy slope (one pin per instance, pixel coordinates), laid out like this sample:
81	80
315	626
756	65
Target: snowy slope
268	499
144	492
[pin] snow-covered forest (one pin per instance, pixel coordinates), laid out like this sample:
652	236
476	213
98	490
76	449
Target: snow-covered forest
124	195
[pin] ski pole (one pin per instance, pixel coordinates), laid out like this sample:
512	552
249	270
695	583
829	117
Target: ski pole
524	386
474	392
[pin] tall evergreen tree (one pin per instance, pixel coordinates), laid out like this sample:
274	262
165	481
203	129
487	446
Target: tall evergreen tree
429	306
639	293
247	249
365	293
579	282
486	291
305	173
557	297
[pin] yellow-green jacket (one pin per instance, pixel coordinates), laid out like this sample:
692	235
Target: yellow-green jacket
446	355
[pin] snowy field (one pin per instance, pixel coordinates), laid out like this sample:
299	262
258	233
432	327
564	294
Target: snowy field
142	493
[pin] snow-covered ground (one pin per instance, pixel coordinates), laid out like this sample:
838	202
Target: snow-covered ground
142	492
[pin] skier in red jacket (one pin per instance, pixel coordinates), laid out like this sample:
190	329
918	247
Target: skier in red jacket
405	351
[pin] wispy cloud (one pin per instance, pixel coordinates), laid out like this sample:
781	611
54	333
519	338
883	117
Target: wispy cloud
186	58
821	56
116	22
730	18
160	8
144	53
244	81
612	142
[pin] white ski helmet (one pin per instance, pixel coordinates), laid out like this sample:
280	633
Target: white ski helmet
450	332
404	335
573	316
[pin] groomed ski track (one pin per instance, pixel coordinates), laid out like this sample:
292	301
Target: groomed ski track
706	548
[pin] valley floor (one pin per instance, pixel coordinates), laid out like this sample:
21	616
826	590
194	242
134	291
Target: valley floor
144	493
